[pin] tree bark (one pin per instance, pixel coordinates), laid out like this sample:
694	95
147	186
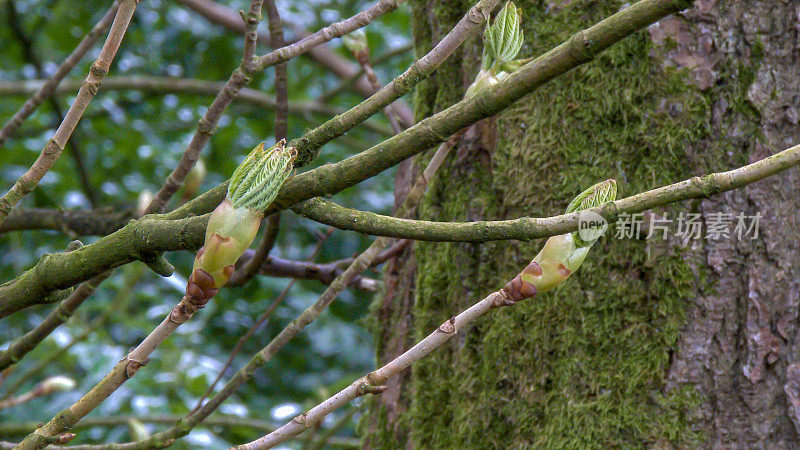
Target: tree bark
657	342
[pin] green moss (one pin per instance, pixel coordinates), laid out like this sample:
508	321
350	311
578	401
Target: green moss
581	367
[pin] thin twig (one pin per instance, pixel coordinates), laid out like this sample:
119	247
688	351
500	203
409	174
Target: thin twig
348	82
252	330
30	56
372	383
309	144
52	150
69	63
185	86
226	17
363	59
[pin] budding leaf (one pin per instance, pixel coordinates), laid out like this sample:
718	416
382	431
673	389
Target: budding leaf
594	196
503	38
255	183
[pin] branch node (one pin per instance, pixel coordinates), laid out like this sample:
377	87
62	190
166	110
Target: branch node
449	326
73	245
158	264
133	365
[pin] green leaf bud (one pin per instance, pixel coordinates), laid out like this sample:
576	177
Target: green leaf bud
230	232
561	255
594	196
256	182
356	41
503	39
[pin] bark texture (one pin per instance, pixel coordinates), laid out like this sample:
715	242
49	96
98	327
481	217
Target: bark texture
654	342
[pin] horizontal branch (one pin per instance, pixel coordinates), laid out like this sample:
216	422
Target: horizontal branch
333	178
139	240
178	86
527	228
98	222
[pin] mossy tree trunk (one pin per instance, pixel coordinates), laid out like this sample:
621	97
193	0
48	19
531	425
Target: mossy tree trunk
654	342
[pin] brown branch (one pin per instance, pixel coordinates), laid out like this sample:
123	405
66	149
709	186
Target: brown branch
222	15
69	63
52	150
186	86
309	144
366	65
30	56
281	95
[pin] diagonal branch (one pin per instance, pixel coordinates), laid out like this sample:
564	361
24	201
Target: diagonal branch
52	150
372	383
30	56
27	289
48	88
222	15
309	144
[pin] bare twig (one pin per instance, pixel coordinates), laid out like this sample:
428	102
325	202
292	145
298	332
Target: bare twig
362	55
252	330
30	56
47	88
24	344
52	150
226	17
347	82
309	144
181	86
372	383
281	95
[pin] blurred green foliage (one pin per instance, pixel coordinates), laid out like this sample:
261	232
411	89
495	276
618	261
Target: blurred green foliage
130	141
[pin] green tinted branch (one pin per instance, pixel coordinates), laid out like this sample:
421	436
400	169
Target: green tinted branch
333	178
527	228
308	145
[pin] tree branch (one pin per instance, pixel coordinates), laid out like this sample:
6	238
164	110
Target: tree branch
69	63
30	56
332	178
52	150
372	382
221	15
309	144
97	222
187	86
